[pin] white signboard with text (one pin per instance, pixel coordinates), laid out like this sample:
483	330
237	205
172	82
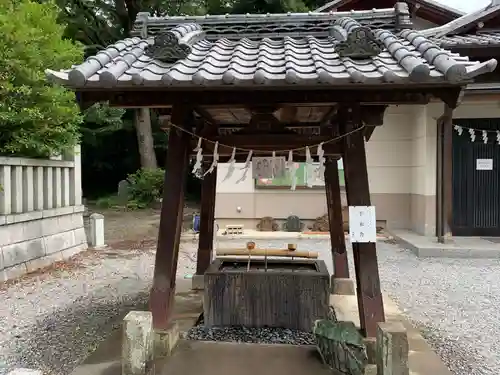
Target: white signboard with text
484	164
362	224
268	167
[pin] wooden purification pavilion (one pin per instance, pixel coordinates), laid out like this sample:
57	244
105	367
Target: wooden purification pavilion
272	83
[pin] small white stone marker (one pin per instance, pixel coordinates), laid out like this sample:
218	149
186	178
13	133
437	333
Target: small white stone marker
137	342
97	231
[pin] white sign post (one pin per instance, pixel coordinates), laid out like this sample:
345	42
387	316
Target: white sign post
362	224
484	164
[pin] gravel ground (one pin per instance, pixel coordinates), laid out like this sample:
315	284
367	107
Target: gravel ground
454	302
54	321
251	335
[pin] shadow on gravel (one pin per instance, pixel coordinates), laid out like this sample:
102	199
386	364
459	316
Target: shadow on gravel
59	342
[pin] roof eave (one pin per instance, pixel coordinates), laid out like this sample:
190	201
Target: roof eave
440	9
437	8
464	23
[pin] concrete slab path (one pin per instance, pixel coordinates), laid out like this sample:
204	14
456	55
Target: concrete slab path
217	358
106	359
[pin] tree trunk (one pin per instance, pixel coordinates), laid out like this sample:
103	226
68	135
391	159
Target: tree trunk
145	138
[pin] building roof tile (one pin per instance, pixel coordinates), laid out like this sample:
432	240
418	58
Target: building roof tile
426	3
459	30
237	26
480	39
349	53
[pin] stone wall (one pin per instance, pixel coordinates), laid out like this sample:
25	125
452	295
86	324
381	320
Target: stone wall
30	242
41	213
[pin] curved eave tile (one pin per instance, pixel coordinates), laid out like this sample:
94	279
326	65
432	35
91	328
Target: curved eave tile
60	78
277	82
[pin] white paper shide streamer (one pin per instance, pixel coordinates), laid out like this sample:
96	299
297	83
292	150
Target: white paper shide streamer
273	164
290	166
197	168
246	167
485	134
309	168
472	135
215	159
231	167
321	158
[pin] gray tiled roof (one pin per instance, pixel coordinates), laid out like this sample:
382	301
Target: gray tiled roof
480	39
458	32
190	60
258	26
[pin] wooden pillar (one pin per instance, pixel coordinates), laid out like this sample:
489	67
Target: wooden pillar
369	294
334	204
163	290
444	178
207	214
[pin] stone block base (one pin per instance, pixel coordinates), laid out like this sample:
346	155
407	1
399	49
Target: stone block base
342	286
198	282
371	370
392	349
137	343
371	349
165	341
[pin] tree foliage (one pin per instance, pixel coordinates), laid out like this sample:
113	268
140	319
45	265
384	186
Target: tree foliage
99	23
36	118
268	6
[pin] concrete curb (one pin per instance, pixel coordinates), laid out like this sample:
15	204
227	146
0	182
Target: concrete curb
423	360
453	251
190	237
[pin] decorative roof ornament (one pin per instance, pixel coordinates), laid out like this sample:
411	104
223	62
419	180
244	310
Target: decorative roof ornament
403	17
359	44
175	44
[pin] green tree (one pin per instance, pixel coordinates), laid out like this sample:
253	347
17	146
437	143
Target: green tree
268	6
36	118
99	23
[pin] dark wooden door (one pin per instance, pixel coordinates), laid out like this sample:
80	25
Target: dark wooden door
476	192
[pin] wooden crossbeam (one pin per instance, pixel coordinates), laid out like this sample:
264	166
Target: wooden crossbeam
160	98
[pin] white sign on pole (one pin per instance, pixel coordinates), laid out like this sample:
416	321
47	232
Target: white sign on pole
268	167
484	164
362	224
